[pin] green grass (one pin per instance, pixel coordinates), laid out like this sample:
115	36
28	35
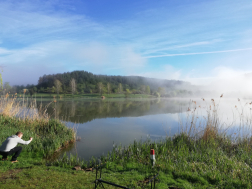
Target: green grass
183	163
32	175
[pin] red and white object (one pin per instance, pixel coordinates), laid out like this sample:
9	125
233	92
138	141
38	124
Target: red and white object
152	157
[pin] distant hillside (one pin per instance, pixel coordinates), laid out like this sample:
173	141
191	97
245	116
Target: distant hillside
87	82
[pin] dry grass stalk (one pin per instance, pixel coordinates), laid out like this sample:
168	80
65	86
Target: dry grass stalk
13	108
210	132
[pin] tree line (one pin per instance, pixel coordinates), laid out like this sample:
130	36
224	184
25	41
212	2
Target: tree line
80	82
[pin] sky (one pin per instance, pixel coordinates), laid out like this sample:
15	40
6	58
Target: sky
191	40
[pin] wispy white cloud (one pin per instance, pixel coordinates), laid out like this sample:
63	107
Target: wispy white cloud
32	23
169	29
165	72
4	51
197	53
176	47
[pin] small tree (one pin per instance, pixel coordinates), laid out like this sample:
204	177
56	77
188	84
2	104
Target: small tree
108	88
35	89
161	91
127	93
100	87
157	94
57	84
73	85
147	89
53	89
120	89
31	91
7	86
42	89
143	88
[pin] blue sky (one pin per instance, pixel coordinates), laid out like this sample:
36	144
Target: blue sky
195	41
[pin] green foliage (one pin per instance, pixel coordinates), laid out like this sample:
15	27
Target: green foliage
147	89
53	89
87	81
48	136
157	94
143	88
100	87
31	91
188	163
84	82
120	88
127	93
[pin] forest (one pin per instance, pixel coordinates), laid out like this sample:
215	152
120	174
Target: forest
80	82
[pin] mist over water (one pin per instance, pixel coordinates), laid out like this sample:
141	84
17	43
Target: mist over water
102	123
232	83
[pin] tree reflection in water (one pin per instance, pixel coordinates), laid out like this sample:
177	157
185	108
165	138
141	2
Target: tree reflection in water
82	111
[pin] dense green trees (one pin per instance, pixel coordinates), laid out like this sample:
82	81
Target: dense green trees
86	82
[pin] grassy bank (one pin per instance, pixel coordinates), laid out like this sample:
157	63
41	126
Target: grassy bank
48	136
201	156
183	163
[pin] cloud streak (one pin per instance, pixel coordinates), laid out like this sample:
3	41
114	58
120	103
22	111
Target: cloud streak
198	53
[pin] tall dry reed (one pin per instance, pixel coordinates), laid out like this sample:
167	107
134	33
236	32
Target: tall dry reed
26	110
204	120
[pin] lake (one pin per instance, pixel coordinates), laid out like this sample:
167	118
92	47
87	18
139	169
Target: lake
101	123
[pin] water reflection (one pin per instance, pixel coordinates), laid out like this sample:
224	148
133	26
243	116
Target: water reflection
82	111
98	135
100	123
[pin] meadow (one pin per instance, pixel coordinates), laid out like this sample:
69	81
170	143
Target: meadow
202	155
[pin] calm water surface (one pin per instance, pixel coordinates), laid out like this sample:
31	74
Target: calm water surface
100	123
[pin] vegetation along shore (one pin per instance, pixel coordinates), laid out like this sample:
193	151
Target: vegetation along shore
86	84
202	155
